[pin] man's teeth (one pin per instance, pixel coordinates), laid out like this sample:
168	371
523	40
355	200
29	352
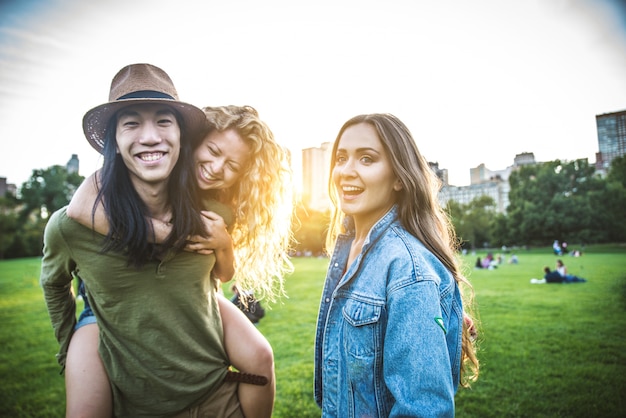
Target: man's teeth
153	156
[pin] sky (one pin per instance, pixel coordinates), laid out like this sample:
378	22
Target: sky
476	81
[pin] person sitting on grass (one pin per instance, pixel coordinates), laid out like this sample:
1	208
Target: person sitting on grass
567	278
552	276
555	277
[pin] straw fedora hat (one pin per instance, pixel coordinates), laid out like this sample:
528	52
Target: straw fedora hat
136	84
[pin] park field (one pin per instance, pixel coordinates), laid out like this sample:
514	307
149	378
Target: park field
546	350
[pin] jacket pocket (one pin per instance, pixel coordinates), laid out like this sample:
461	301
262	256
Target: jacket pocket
362	336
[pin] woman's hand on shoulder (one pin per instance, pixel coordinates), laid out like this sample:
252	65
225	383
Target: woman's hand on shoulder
217	237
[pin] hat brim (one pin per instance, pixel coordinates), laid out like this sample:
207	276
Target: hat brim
95	120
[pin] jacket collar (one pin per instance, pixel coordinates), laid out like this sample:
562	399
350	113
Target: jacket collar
376	231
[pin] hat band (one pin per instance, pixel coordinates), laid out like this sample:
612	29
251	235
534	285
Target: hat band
146	94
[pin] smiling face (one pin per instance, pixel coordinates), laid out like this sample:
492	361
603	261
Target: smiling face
148	140
220	159
363	175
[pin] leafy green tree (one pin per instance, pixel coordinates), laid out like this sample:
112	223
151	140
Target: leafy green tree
456	213
606	206
9	225
45	191
552	200
29	239
499	231
472	221
48	190
480	212
567	201
617	172
310	228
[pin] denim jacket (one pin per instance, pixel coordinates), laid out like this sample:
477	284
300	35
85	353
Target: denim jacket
388	340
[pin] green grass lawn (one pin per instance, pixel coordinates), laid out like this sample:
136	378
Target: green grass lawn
546	350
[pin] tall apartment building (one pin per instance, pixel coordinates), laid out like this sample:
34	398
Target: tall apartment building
611	129
315	176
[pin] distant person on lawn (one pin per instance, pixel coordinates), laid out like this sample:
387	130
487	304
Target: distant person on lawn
553	276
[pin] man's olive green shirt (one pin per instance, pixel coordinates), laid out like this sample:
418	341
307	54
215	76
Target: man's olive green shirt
161	336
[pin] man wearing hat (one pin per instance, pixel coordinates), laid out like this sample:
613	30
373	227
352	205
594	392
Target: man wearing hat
161	337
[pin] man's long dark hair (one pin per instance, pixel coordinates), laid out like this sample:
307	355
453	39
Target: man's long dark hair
129	229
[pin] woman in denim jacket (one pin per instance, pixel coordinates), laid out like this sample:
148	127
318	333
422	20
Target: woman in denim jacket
391	337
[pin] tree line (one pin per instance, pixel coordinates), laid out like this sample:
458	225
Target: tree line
23	217
555	200
566	201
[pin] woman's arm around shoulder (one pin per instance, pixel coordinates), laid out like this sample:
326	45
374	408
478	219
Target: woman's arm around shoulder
82	204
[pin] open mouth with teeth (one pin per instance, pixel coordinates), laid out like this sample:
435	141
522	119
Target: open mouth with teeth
351	190
207	175
150	156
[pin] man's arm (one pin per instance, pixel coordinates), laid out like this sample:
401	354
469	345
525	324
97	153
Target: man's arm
56	282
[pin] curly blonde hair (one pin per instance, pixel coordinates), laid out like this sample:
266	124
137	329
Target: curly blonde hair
262	201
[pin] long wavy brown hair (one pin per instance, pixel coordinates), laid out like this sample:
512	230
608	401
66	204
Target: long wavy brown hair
420	213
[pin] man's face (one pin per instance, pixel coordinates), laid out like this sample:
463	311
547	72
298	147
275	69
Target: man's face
148	140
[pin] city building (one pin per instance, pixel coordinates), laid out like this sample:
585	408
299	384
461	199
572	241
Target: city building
482	174
485	182
72	165
315	176
611	129
442	173
525	158
7	187
497	189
